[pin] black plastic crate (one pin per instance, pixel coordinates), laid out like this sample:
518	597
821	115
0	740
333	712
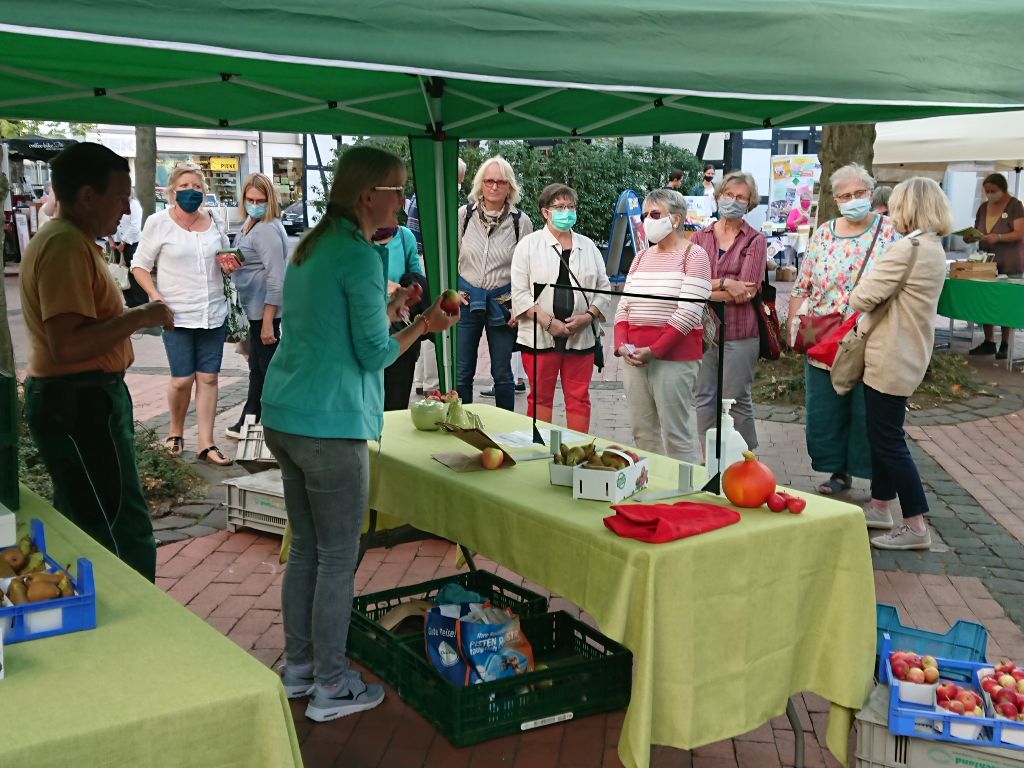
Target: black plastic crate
581	672
377	648
9	493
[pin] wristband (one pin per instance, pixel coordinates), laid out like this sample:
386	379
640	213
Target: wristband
426	324
591	313
547	328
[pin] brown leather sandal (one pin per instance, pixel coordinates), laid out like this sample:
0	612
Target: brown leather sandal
213	455
175	444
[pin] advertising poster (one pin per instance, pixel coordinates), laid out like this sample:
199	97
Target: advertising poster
627	231
791	175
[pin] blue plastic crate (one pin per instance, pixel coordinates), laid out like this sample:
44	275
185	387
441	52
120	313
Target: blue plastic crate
53	617
965	641
922	721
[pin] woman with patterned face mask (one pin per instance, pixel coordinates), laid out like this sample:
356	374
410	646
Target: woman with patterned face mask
181	244
738	255
838	253
1001	217
661	341
566	319
260	282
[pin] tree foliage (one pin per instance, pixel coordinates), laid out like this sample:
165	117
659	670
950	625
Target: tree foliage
598	170
12	128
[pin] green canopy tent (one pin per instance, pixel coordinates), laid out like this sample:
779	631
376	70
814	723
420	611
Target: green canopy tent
463	69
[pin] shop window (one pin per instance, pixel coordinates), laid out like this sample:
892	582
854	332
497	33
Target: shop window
287	175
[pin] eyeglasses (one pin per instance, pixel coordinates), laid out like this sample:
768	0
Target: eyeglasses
390	189
561	207
496	183
655	214
735	198
859	194
255	202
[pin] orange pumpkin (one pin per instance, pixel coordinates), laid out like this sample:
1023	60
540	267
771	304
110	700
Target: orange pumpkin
748	483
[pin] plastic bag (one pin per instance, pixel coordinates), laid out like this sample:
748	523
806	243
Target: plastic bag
471	643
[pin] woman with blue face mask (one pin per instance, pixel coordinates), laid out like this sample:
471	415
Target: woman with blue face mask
837	254
557	329
181	244
260	281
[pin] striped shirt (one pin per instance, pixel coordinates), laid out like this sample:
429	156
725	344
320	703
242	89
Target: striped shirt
745	260
672	330
485	251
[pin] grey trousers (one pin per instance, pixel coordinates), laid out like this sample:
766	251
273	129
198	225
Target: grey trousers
660	397
326	492
740	366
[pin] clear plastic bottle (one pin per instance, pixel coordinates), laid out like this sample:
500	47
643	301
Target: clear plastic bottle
733	444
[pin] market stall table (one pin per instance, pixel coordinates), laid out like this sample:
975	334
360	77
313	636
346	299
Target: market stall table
991	302
724	627
153	685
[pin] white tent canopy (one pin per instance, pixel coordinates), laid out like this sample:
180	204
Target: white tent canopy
996	138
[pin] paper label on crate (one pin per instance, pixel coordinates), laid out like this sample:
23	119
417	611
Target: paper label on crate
531	724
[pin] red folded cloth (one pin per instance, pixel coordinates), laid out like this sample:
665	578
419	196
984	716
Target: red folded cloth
656	523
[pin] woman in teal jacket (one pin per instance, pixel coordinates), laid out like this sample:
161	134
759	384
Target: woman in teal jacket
322	400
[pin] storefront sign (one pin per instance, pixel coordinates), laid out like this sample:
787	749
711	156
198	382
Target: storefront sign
224	164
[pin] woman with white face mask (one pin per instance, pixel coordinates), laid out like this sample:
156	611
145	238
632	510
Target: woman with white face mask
738	255
661	341
1001	217
838	252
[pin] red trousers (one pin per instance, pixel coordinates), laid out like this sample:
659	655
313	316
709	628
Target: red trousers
576	370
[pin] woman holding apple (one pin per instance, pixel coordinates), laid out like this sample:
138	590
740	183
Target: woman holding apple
568	321
322	401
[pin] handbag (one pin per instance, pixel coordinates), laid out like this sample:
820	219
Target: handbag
119	272
848	367
768	328
814	328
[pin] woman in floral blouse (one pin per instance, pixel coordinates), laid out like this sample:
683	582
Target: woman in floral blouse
835	424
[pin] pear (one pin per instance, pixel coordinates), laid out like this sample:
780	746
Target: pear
38	591
26	546
36	562
14	557
16	592
66	590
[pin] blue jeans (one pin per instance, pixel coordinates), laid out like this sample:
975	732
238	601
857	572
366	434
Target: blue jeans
893	471
326	493
500	341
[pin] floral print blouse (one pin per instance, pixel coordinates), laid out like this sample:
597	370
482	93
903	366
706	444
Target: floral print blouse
829	270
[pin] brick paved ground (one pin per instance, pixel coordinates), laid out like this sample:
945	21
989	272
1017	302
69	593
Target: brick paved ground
969	459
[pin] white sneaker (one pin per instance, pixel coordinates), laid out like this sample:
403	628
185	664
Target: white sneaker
234	434
903	538
876	517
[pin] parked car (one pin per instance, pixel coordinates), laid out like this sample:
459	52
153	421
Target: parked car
291	217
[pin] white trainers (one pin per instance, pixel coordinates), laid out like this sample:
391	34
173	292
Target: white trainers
903	538
235	433
876	517
348	697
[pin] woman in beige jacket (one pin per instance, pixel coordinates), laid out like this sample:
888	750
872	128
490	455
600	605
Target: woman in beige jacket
897	353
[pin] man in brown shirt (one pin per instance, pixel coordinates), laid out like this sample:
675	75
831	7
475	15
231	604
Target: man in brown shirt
77	406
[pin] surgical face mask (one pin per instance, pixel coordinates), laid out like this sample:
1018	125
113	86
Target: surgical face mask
856	210
731	209
256	211
993	197
658	229
805	204
188	200
563	220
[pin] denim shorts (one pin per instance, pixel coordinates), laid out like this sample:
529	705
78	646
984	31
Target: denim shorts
195	350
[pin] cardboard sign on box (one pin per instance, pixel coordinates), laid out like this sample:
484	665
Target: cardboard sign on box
609	485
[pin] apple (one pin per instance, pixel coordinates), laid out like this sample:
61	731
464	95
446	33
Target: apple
451	302
947	691
1004	694
989	684
1005	666
1007	681
913	661
900	669
1020	702
957	707
1017	674
929	661
776	503
944	703
414	295
969	699
492	458
915	675
979	712
931	675
1007	710
795	505
895	655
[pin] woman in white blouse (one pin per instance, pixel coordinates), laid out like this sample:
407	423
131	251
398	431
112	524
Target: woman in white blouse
181	243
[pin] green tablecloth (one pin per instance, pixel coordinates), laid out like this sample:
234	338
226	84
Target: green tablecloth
993	302
152	685
724	626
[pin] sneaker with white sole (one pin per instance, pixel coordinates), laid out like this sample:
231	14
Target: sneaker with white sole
348	697
876	517
297	681
903	538
235	433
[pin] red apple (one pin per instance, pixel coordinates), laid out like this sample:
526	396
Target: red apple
929	661
1017	674
944	703
895	655
900	670
915	675
450	302
795	505
1020	702
492	458
1006	666
1007	681
947	691
913	660
776	503
988	685
931	675
1007	710
957	707
1004	694
969	699
414	295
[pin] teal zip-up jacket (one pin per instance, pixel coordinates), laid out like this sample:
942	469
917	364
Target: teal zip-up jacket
327	377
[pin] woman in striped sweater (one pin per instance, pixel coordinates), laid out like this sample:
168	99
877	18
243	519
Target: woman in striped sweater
661	341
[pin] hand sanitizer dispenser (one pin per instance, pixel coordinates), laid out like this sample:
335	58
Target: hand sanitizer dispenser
733	444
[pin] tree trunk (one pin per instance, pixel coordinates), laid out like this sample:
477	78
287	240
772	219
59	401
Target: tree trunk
145	168
841	145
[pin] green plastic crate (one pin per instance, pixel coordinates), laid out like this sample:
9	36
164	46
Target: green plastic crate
375	647
586	673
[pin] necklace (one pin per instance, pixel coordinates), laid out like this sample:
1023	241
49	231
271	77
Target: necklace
195	219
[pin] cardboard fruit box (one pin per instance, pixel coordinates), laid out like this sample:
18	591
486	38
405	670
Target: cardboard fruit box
610	485
972	270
